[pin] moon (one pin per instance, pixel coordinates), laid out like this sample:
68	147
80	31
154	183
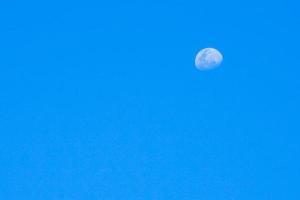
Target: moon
208	58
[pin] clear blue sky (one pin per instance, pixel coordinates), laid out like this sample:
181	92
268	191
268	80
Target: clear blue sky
101	100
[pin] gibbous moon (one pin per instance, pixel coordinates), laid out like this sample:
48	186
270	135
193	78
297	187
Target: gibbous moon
208	58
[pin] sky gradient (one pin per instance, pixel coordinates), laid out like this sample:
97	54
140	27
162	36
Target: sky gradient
101	100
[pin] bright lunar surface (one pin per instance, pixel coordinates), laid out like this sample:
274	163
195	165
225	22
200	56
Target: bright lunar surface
208	58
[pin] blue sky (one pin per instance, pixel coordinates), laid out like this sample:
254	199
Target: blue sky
101	100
